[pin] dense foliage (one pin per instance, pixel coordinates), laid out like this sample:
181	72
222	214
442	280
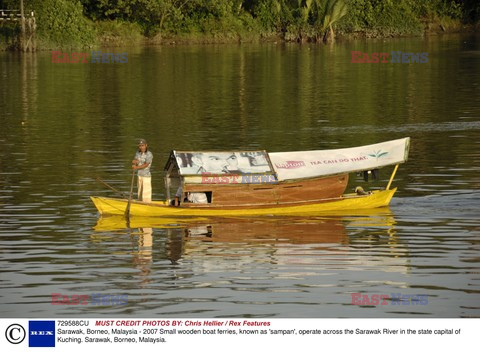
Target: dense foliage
59	22
292	19
79	21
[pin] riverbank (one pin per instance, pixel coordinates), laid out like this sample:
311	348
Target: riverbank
431	29
114	34
69	24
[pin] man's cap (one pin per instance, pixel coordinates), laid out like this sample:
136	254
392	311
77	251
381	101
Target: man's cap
142	142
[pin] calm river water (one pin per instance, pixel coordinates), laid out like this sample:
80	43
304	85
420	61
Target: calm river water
62	125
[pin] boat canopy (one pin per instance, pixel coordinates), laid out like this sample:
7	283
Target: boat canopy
308	164
287	165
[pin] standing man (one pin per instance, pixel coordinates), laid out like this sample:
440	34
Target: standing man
141	163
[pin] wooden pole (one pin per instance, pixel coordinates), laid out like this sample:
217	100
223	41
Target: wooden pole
112	188
391	178
127	210
34	30
22	38
167	187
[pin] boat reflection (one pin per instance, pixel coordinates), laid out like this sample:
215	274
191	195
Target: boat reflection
203	245
143	255
184	235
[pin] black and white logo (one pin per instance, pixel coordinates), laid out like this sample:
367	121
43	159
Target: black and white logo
15	334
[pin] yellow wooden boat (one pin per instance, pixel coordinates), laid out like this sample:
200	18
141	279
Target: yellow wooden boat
348	202
257	183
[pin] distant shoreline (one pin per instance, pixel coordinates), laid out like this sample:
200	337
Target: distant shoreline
203	39
65	25
187	39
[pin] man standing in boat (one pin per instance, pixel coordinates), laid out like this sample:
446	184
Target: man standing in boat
141	163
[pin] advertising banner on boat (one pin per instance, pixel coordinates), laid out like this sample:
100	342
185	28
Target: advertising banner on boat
307	164
198	163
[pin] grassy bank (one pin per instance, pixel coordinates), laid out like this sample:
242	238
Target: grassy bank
88	23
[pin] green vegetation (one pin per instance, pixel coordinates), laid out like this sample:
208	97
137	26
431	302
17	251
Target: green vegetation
8	36
61	23
73	23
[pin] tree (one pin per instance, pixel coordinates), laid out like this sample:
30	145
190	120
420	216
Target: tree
333	12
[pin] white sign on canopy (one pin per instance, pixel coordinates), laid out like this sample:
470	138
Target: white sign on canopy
308	164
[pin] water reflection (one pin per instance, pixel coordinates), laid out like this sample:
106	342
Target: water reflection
142	256
267	238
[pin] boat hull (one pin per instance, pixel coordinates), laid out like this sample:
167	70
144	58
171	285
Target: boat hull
349	202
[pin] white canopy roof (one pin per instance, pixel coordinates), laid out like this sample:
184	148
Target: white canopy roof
308	164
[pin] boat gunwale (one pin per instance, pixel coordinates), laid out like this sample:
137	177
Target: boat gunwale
187	206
